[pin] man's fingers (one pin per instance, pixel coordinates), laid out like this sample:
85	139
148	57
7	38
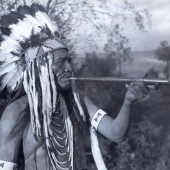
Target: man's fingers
153	87
131	89
141	85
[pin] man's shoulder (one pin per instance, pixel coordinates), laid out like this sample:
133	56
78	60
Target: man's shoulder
20	103
13	110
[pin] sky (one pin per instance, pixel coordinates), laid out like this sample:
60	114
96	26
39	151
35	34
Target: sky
160	30
149	41
138	40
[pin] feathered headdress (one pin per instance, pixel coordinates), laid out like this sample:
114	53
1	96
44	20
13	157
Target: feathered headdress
25	35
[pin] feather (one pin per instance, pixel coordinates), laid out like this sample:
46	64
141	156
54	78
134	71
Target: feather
29	10
43	18
96	150
19	91
27	13
31	105
15	81
10	19
7	57
36	7
1	37
36	25
17	15
35	98
22	10
9	45
7	67
5	31
54	91
29	19
25	82
20	31
4	23
77	100
7	78
15	31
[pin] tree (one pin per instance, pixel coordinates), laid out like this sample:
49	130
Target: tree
163	51
116	46
86	23
144	149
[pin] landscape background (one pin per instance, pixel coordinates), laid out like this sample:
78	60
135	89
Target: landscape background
147	144
119	38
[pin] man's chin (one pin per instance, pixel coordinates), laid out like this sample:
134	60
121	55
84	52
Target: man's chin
64	86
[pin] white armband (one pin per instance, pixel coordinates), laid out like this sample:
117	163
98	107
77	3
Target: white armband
97	117
4	165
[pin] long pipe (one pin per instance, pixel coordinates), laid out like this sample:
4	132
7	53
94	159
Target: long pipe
121	79
127	80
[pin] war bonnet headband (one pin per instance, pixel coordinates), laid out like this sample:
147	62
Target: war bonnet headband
25	35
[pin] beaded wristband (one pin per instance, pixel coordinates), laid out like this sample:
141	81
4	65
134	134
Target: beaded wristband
4	165
97	117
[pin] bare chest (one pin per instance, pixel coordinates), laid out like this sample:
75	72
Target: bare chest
36	152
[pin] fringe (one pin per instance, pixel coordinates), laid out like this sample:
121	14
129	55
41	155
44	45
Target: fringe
96	150
77	100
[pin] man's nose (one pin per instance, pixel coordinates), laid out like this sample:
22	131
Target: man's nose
67	67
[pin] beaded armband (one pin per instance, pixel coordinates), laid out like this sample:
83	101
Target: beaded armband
97	117
4	165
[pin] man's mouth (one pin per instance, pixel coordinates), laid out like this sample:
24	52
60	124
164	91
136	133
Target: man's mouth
64	77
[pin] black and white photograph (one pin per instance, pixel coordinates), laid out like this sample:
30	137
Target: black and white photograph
84	85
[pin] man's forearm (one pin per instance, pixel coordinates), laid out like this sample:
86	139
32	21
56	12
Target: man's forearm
115	129
121	123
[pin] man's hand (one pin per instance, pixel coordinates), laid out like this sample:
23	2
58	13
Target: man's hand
139	90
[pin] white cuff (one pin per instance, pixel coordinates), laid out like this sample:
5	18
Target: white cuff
97	117
4	165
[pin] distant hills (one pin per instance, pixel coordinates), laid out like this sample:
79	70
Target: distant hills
143	61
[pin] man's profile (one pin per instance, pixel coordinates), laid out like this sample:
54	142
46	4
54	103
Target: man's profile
50	123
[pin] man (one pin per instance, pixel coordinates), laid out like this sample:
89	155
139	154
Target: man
47	125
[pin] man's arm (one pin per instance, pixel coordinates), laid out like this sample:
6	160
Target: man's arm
9	148
113	129
116	129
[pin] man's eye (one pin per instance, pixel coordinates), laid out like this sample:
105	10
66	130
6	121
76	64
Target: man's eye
59	61
69	59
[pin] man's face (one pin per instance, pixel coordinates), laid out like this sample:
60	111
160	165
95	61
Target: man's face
62	69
